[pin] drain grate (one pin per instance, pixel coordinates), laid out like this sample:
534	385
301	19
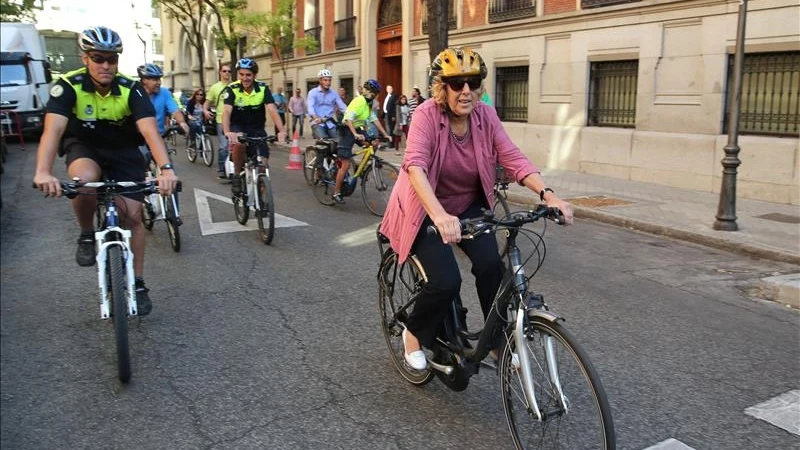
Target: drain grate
597	201
779	217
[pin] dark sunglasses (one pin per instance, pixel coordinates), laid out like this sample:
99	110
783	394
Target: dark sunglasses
457	83
226	71
100	59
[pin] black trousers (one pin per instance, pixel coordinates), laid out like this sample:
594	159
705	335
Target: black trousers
444	277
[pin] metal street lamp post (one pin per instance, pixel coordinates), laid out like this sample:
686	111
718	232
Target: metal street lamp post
726	211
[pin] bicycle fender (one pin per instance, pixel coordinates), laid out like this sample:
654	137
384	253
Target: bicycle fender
546	315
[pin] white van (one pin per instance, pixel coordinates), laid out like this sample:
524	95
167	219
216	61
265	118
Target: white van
24	79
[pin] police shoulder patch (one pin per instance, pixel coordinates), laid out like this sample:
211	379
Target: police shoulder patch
56	90
225	95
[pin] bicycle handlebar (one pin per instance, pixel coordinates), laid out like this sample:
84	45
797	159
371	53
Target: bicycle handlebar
72	189
245	139
471	228
172	129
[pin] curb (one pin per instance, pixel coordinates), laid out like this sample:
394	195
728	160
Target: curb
661	230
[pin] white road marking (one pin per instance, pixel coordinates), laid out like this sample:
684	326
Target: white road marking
782	411
670	444
208	226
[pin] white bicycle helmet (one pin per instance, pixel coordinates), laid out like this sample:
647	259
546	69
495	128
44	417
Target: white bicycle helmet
100	39
323	73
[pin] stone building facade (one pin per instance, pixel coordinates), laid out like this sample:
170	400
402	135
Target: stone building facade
627	89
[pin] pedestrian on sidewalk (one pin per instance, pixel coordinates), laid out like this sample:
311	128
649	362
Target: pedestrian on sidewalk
401	127
297	108
280	104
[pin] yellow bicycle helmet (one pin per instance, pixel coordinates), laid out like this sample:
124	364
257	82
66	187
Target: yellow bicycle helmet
457	62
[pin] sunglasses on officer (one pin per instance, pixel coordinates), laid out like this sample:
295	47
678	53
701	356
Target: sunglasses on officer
457	83
100	59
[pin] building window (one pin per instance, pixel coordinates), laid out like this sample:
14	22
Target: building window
770	94
612	93
345	36
511	99
347	84
390	12
586	4
505	10
156	45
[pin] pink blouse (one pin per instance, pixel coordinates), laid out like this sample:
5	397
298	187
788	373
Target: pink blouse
429	146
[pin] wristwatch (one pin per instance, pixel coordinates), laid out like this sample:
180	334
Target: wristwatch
167	166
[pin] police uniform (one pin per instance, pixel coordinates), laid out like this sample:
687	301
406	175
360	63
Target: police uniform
249	115
102	128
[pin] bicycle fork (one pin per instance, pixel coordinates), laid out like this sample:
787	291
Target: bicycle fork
529	311
102	265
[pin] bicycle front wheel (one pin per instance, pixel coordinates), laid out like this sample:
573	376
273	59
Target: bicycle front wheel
376	187
191	150
266	209
310	165
148	214
397	285
240	207
324	186
173	223
582	420
206	150
117	288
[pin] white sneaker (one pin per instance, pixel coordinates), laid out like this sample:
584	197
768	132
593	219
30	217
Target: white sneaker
416	359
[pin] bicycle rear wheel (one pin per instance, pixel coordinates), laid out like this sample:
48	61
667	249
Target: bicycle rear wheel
240	207
310	164
324	186
206	150
582	421
173	223
396	287
376	187
119	307
266	209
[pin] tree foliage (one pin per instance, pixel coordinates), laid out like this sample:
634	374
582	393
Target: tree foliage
277	30
189	15
225	30
17	10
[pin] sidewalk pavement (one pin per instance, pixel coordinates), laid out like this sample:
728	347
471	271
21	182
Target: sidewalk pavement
766	230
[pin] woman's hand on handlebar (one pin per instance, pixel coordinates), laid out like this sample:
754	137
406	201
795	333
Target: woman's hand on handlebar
449	228
564	206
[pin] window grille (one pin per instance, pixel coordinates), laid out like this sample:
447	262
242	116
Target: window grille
505	10
511	99
612	93
770	94
345	33
315	33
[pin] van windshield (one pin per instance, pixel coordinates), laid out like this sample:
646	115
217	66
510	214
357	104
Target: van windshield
13	75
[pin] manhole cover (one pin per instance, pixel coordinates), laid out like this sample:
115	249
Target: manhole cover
597	201
778	217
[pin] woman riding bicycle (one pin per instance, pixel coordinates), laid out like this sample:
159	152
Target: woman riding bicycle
359	112
195	113
454	145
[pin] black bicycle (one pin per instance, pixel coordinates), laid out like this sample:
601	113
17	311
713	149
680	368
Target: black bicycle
552	395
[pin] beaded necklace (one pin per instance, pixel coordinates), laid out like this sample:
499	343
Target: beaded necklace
460	139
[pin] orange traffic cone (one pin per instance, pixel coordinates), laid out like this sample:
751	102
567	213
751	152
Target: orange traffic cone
295	158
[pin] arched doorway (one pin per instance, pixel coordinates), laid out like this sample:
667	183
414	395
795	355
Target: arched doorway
390	45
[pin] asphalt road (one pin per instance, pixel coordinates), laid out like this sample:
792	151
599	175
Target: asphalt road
278	347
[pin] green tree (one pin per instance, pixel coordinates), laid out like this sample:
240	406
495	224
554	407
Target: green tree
17	10
225	31
276	30
189	14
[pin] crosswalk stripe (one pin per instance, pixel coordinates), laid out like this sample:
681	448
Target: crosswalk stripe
208	226
670	444
782	411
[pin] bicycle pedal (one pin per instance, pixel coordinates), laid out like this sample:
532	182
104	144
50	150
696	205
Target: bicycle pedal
179	221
